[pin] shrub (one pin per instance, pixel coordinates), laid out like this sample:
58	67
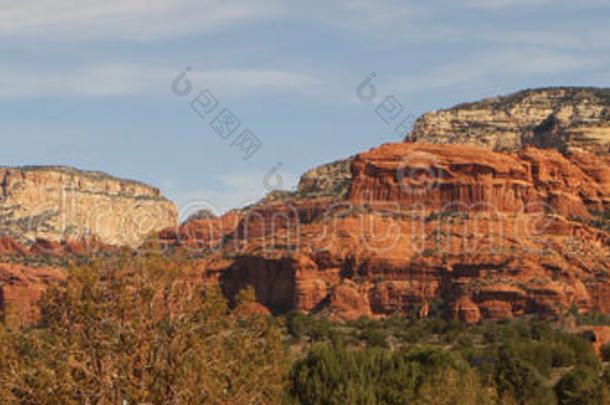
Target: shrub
539	355
464	341
581	386
375	337
520	380
563	355
495	333
331	375
413	334
585	355
605	351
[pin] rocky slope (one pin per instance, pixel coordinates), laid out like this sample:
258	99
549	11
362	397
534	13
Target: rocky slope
56	203
567	119
489	234
331	179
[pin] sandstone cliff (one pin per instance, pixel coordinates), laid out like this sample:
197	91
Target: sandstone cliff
327	180
465	178
567	119
490	234
513	221
57	203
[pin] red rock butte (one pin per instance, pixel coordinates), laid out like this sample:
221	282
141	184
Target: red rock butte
492	234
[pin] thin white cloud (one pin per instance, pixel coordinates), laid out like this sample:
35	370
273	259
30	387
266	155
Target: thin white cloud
235	190
494	4
107	80
363	15
148	20
123	79
478	68
499	4
383	24
234	81
134	19
129	79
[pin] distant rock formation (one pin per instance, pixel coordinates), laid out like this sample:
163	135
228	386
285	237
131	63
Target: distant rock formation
27	271
567	119
497	208
331	179
58	203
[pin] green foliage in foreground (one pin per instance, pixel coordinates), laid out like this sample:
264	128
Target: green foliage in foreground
582	386
331	375
517	378
511	362
141	331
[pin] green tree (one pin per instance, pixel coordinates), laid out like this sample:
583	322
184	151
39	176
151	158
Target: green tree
331	375
581	386
520	380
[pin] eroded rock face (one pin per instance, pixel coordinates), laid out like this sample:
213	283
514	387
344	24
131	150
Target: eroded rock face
466	311
349	301
464	178
56	203
496	236
567	119
370	264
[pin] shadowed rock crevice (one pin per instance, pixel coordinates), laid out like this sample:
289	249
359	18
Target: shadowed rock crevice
273	282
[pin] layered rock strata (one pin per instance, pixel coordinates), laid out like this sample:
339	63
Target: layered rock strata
56	203
568	119
488	234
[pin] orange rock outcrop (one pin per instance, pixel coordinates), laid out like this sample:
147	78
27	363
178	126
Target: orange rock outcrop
461	177
27	271
21	287
491	235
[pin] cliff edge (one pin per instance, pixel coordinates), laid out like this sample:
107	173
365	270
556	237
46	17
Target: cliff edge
57	203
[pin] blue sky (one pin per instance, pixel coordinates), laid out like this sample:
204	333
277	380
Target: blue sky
88	83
